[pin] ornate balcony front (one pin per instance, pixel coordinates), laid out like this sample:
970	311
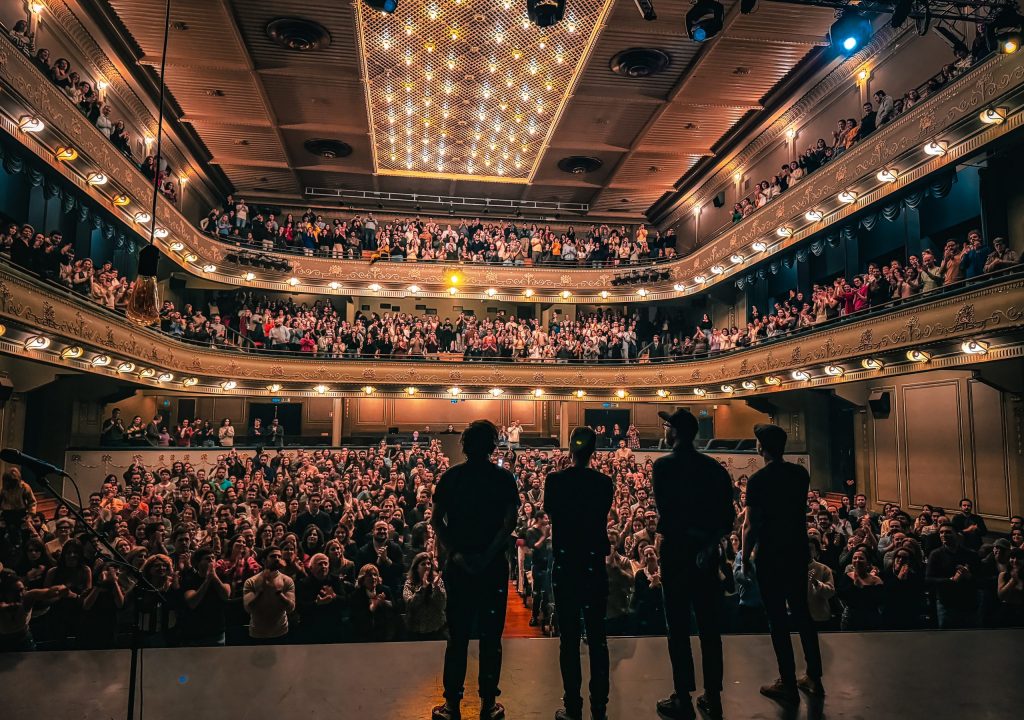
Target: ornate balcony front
42	322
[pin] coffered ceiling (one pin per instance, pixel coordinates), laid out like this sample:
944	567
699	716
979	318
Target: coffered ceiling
256	105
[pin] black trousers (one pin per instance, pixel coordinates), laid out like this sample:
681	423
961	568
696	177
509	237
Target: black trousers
581	597
785	584
686	587
475	601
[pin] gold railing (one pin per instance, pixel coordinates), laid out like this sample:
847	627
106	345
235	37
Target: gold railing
950	115
993	313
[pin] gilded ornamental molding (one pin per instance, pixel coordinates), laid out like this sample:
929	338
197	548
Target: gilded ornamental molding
999	78
995	310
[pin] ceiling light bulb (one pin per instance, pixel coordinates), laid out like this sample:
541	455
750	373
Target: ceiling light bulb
528	292
66	154
736	259
700	392
249	277
31	124
994	116
491	292
293	281
126	367
974	347
453	391
410	390
662	393
453	290
72	353
759	247
918	356
936	148
375	287
801	375
871	364
538	392
621	394
37	342
369	389
565	294
190	381
495	392
101	361
274	387
209	268
96	179
784	232
334	284
121	200
165	377
748	385
642	292
887	175
814	215
728	388
228	385
848	196
143	217
773	380
321	389
834	370
580	393
604	294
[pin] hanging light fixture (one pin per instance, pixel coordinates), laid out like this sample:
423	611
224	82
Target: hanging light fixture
143	306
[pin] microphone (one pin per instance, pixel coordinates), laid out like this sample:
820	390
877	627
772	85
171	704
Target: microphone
39	467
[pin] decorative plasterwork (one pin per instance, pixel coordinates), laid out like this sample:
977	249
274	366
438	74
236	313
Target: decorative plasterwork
958	104
988	312
470	90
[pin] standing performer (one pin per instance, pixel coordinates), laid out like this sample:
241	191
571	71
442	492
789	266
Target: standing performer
578	500
474	513
694	498
776	526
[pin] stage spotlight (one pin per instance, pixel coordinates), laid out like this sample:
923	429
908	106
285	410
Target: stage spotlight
704	20
900	13
850	32
545	13
1006	30
384	6
646	8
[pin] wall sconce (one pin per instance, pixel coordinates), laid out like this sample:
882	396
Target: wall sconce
994	116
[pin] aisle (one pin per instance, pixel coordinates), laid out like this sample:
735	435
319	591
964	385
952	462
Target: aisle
517	617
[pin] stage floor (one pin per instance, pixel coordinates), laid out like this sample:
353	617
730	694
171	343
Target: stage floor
965	674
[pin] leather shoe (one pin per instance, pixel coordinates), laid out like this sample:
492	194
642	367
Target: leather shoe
675	708
443	712
710	705
781	691
811	686
492	711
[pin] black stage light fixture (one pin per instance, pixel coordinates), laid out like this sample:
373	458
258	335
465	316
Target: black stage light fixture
900	13
385	6
705	20
850	32
545	13
748	6
1006	29
646	8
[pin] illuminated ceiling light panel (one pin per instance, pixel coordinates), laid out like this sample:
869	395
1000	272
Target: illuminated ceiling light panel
974	347
101	361
468	75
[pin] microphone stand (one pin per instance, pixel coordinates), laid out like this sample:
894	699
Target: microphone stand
119	559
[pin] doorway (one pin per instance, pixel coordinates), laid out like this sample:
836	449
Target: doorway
608	418
289	415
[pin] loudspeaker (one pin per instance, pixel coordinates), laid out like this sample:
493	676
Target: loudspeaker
6	390
719	199
880	404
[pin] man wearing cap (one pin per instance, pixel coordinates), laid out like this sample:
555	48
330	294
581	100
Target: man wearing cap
693	494
776	526
578	500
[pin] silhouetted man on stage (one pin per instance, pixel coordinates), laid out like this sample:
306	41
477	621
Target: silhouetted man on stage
694	498
578	500
775	533
474	513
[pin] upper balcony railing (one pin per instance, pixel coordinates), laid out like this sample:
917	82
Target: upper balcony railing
947	121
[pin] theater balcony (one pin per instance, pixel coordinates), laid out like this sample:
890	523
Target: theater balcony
940	132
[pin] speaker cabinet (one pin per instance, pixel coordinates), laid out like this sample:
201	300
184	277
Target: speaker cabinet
880	403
